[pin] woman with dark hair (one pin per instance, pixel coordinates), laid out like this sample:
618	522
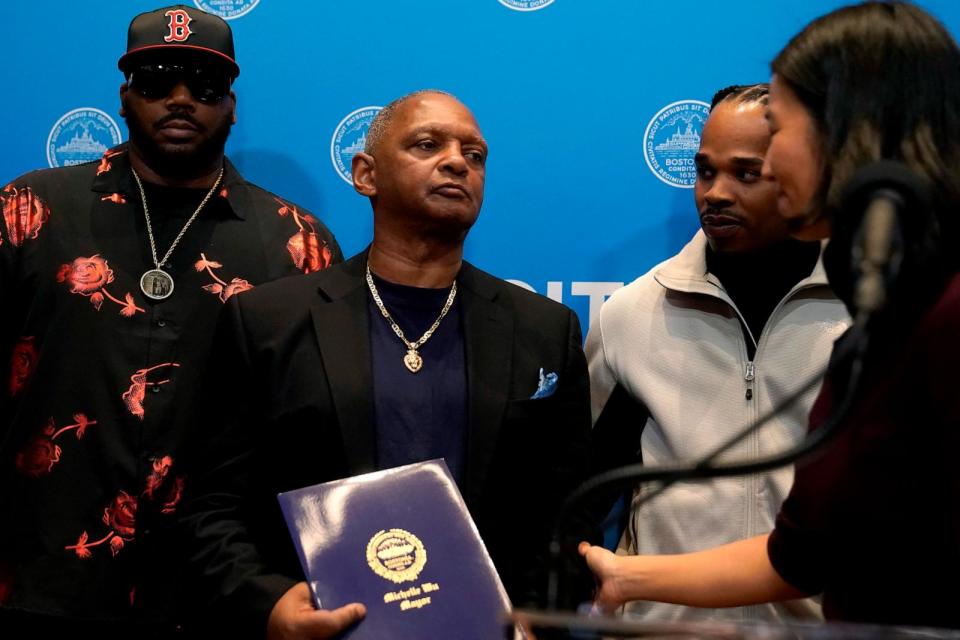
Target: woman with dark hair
873	522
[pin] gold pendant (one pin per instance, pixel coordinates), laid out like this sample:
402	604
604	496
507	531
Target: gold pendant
413	361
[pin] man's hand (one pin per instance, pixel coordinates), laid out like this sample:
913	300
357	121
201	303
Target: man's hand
295	618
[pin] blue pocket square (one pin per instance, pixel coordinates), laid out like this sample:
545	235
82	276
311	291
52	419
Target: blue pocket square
547	385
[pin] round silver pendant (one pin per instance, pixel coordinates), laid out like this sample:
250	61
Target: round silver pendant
156	284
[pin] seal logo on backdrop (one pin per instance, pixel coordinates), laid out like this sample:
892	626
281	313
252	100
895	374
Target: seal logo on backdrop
227	9
396	555
80	136
672	139
526	5
349	138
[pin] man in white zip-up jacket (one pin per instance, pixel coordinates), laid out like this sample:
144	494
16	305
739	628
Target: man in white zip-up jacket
703	344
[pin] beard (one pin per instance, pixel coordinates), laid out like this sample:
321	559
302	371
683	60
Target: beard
178	160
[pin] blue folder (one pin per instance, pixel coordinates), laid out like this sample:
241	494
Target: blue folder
402	542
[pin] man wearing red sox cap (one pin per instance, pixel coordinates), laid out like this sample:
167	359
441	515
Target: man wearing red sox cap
112	275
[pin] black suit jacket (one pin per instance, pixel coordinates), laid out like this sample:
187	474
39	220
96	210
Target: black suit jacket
289	404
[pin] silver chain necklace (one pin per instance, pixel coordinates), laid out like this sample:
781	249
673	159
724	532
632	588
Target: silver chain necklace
413	361
157	283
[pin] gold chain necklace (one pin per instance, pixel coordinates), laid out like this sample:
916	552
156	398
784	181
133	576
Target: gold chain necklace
413	361
157	283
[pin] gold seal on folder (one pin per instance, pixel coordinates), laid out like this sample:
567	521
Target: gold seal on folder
396	555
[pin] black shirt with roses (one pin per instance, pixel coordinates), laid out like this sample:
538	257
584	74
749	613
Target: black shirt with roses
98	383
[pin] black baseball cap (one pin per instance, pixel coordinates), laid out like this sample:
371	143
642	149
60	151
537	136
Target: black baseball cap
180	28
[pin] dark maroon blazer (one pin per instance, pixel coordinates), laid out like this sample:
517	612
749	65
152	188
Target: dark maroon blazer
873	522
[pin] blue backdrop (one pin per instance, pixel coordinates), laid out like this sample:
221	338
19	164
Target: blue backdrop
588	178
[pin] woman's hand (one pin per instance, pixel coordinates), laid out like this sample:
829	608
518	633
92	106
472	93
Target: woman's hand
606	567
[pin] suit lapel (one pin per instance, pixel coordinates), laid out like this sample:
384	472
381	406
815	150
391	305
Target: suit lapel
488	333
342	324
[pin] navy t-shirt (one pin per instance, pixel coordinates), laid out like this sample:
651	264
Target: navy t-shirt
423	415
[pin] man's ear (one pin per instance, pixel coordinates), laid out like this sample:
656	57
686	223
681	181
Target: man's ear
364	170
123	99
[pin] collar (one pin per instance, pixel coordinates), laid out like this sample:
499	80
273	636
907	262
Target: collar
687	271
114	176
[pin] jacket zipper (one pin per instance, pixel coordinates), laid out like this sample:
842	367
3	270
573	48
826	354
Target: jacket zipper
749	377
750	372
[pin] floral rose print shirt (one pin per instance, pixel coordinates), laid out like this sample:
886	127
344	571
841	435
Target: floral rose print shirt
98	382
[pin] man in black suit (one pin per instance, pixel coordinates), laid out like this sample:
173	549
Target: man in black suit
406	352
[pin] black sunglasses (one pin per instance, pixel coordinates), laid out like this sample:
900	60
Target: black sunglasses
153	81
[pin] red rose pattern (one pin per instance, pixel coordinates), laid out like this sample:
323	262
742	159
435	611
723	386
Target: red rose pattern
161	468
23	361
86	275
41	453
24	214
155	482
90	277
133	397
121	518
237	285
121	515
115	198
105	164
116	544
308	252
220	287
173	497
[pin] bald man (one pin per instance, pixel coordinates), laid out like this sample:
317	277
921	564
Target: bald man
402	354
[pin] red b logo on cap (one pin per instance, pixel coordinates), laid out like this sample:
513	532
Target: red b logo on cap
179	26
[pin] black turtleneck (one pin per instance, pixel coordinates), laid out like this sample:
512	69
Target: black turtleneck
757	281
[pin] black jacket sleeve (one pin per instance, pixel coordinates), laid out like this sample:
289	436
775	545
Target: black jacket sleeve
238	587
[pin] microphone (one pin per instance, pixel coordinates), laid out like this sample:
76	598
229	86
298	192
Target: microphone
876	199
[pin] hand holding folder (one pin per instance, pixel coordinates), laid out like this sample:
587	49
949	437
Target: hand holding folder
295	617
402	543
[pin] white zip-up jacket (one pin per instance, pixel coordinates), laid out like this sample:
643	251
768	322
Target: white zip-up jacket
673	340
